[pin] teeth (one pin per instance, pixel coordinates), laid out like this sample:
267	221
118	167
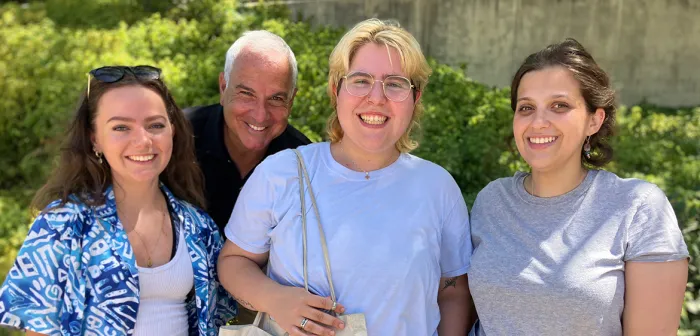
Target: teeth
142	158
256	128
373	119
542	140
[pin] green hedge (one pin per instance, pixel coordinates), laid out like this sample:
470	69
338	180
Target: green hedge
47	47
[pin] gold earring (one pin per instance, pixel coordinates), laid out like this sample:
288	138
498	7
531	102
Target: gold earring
98	155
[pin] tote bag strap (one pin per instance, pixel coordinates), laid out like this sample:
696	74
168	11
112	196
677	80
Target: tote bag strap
304	180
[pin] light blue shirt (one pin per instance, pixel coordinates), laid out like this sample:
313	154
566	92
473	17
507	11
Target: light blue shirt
390	238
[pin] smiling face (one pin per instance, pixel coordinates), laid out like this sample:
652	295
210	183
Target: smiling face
258	98
134	133
551	121
374	123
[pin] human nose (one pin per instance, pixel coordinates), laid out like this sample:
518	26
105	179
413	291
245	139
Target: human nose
259	112
143	138
540	119
376	93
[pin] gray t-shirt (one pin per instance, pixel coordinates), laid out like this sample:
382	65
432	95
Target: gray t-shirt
555	266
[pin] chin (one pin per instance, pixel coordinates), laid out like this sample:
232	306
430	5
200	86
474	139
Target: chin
143	177
541	165
256	145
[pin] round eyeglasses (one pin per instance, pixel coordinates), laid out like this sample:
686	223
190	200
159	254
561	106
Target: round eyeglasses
396	88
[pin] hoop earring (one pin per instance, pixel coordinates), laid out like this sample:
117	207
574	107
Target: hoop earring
98	155
587	147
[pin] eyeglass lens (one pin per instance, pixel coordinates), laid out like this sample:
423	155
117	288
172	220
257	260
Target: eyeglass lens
395	88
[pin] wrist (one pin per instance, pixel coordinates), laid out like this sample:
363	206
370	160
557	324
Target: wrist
269	293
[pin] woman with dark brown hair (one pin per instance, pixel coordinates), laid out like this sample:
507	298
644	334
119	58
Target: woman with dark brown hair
122	245
569	249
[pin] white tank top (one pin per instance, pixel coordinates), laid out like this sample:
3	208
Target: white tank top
163	290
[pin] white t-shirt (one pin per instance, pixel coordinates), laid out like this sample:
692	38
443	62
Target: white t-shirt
390	238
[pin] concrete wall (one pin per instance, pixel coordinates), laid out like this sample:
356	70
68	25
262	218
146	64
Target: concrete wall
651	48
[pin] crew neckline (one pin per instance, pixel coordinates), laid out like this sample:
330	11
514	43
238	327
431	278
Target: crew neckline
350	174
519	180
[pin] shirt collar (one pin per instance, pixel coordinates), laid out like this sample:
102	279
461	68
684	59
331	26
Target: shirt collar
108	210
107	215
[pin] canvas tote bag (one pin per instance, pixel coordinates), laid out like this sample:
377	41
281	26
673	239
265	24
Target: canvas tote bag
263	325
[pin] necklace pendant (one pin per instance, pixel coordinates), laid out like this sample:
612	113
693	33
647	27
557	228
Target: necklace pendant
149	264
366	175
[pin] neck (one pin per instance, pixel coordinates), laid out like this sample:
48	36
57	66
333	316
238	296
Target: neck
244	158
132	198
555	182
353	157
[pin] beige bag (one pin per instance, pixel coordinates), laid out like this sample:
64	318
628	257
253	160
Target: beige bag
355	324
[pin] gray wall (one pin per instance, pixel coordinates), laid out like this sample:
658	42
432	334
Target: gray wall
651	48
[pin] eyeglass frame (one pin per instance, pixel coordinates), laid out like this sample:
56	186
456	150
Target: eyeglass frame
124	69
413	88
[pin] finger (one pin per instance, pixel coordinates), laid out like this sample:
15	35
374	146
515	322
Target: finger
295	331
314	328
336	307
320	317
324	303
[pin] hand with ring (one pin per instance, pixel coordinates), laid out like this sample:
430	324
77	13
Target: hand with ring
301	313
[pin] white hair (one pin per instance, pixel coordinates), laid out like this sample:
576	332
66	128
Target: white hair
261	40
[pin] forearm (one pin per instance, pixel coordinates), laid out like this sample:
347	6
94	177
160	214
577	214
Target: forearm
456	314
246	282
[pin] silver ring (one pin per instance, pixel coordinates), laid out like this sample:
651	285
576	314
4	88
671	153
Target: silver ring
335	304
303	323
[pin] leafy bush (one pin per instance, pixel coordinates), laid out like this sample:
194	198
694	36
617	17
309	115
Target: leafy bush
46	50
14	224
662	146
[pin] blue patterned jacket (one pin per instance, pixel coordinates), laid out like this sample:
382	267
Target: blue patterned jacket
76	273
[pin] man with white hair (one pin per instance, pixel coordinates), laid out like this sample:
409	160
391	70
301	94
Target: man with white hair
250	122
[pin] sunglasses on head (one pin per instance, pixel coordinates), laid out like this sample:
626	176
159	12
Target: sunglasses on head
113	74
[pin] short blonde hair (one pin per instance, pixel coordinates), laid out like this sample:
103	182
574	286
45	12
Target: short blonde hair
413	63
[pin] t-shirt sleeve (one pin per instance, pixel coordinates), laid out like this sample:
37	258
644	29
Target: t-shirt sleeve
653	234
456	245
41	280
252	217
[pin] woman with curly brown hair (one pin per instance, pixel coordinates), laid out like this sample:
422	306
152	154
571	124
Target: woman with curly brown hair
569	249
122	246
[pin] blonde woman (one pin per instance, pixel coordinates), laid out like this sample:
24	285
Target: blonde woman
397	226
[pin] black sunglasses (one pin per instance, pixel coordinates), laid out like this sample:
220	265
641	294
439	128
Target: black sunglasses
112	74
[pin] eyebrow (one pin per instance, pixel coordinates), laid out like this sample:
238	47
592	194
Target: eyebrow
383	76
241	86
151	118
278	93
561	95
398	75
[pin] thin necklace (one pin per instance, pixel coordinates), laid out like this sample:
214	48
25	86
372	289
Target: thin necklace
353	162
532	184
149	262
